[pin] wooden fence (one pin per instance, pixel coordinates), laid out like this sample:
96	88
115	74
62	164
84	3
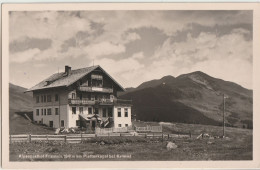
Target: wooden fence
80	137
30	138
113	130
149	129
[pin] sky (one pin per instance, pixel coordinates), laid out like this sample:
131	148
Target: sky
132	46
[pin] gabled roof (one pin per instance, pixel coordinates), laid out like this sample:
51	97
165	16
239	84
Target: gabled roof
64	80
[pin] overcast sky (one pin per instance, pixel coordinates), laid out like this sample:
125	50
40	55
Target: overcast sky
132	46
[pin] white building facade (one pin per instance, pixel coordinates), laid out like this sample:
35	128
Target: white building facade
80	98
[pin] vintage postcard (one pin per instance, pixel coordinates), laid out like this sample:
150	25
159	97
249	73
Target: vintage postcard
130	85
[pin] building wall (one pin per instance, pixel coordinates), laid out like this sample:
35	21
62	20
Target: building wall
45	119
72	118
122	120
65	110
63	96
62	104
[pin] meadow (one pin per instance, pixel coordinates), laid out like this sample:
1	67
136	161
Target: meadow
237	145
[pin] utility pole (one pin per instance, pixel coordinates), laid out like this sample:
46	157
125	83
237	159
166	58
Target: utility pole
223	115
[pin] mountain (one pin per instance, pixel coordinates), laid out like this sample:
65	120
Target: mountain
192	98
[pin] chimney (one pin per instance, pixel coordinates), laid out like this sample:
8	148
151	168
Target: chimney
67	70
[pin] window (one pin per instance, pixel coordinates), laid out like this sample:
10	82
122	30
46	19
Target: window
74	110
56	111
49	111
104	112
81	110
56	97
44	98
80	96
73	95
62	123
97	80
51	123
126	125
96	111
44	111
40	122
126	112
48	98
119	125
89	110
37	99
37	112
118	112
77	122
110	114
89	97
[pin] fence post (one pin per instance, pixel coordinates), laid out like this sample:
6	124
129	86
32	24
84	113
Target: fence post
81	137
190	134
162	137
153	135
65	138
29	138
145	135
47	137
168	136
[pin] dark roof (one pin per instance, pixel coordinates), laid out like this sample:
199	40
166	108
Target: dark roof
63	80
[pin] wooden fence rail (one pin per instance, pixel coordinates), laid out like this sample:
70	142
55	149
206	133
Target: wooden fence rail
81	137
113	130
149	129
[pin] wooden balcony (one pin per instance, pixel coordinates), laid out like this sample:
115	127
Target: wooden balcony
100	102
95	89
105	101
81	102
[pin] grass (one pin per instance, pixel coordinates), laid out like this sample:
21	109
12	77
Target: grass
238	146
188	149
20	125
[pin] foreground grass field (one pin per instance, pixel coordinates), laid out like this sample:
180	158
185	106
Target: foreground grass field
237	146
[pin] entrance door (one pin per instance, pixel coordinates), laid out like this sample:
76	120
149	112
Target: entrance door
93	124
62	123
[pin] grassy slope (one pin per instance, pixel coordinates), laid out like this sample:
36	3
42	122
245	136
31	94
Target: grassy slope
19	103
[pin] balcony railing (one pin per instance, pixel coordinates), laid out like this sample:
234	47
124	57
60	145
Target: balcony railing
95	89
81	102
105	101
100	102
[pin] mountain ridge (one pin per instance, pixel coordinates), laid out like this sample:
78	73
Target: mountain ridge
199	92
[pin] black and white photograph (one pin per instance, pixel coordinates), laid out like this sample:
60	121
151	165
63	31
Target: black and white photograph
130	85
